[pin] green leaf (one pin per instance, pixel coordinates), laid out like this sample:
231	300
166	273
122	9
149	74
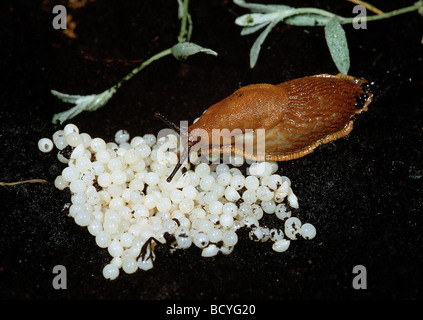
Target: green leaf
183	50
249	30
255	49
338	46
253	19
307	20
70	98
256	7
81	103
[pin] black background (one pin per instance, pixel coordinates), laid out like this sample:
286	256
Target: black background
363	193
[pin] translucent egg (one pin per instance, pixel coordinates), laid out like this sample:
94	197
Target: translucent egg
83	218
70	174
210	251
206	182
115	248
60	183
190	192
252	183
282	212
308	231
77	186
118	177
238	182
202	170
231	194
201	240
103	239
215	235
164	205
281	245
249	196
293	228
226	220
45	145
70	128
186	205
73	139
103	156
110	272
230	208
215	207
97	145
129	265
122	136
152	178
224	178
264	193
230	238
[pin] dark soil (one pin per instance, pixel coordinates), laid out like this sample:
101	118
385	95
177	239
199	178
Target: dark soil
363	193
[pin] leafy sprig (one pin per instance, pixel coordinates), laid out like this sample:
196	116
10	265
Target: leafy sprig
181	51
267	16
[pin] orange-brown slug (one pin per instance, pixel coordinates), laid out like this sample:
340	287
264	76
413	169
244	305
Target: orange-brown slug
296	116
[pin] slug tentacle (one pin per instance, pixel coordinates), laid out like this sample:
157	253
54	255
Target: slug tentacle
169	123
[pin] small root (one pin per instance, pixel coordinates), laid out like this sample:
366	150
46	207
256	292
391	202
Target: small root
368	6
24	181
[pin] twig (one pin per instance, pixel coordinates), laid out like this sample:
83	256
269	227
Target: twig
24	181
157	56
368	6
386	15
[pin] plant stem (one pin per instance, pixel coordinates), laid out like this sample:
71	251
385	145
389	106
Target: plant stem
182	33
385	15
142	66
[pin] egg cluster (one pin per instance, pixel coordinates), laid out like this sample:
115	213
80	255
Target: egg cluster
120	193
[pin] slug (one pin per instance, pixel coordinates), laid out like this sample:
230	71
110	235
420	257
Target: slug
296	117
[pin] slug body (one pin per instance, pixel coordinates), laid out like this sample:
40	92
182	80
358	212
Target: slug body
297	116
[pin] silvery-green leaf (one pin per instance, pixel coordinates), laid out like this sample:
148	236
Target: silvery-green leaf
252	19
256	7
70	98
255	49
338	46
66	115
307	20
250	30
279	7
82	103
183	50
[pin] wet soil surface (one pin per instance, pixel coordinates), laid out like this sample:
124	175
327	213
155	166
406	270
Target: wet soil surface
363	193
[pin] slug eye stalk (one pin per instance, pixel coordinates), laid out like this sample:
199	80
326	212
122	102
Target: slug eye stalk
169	123
183	132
